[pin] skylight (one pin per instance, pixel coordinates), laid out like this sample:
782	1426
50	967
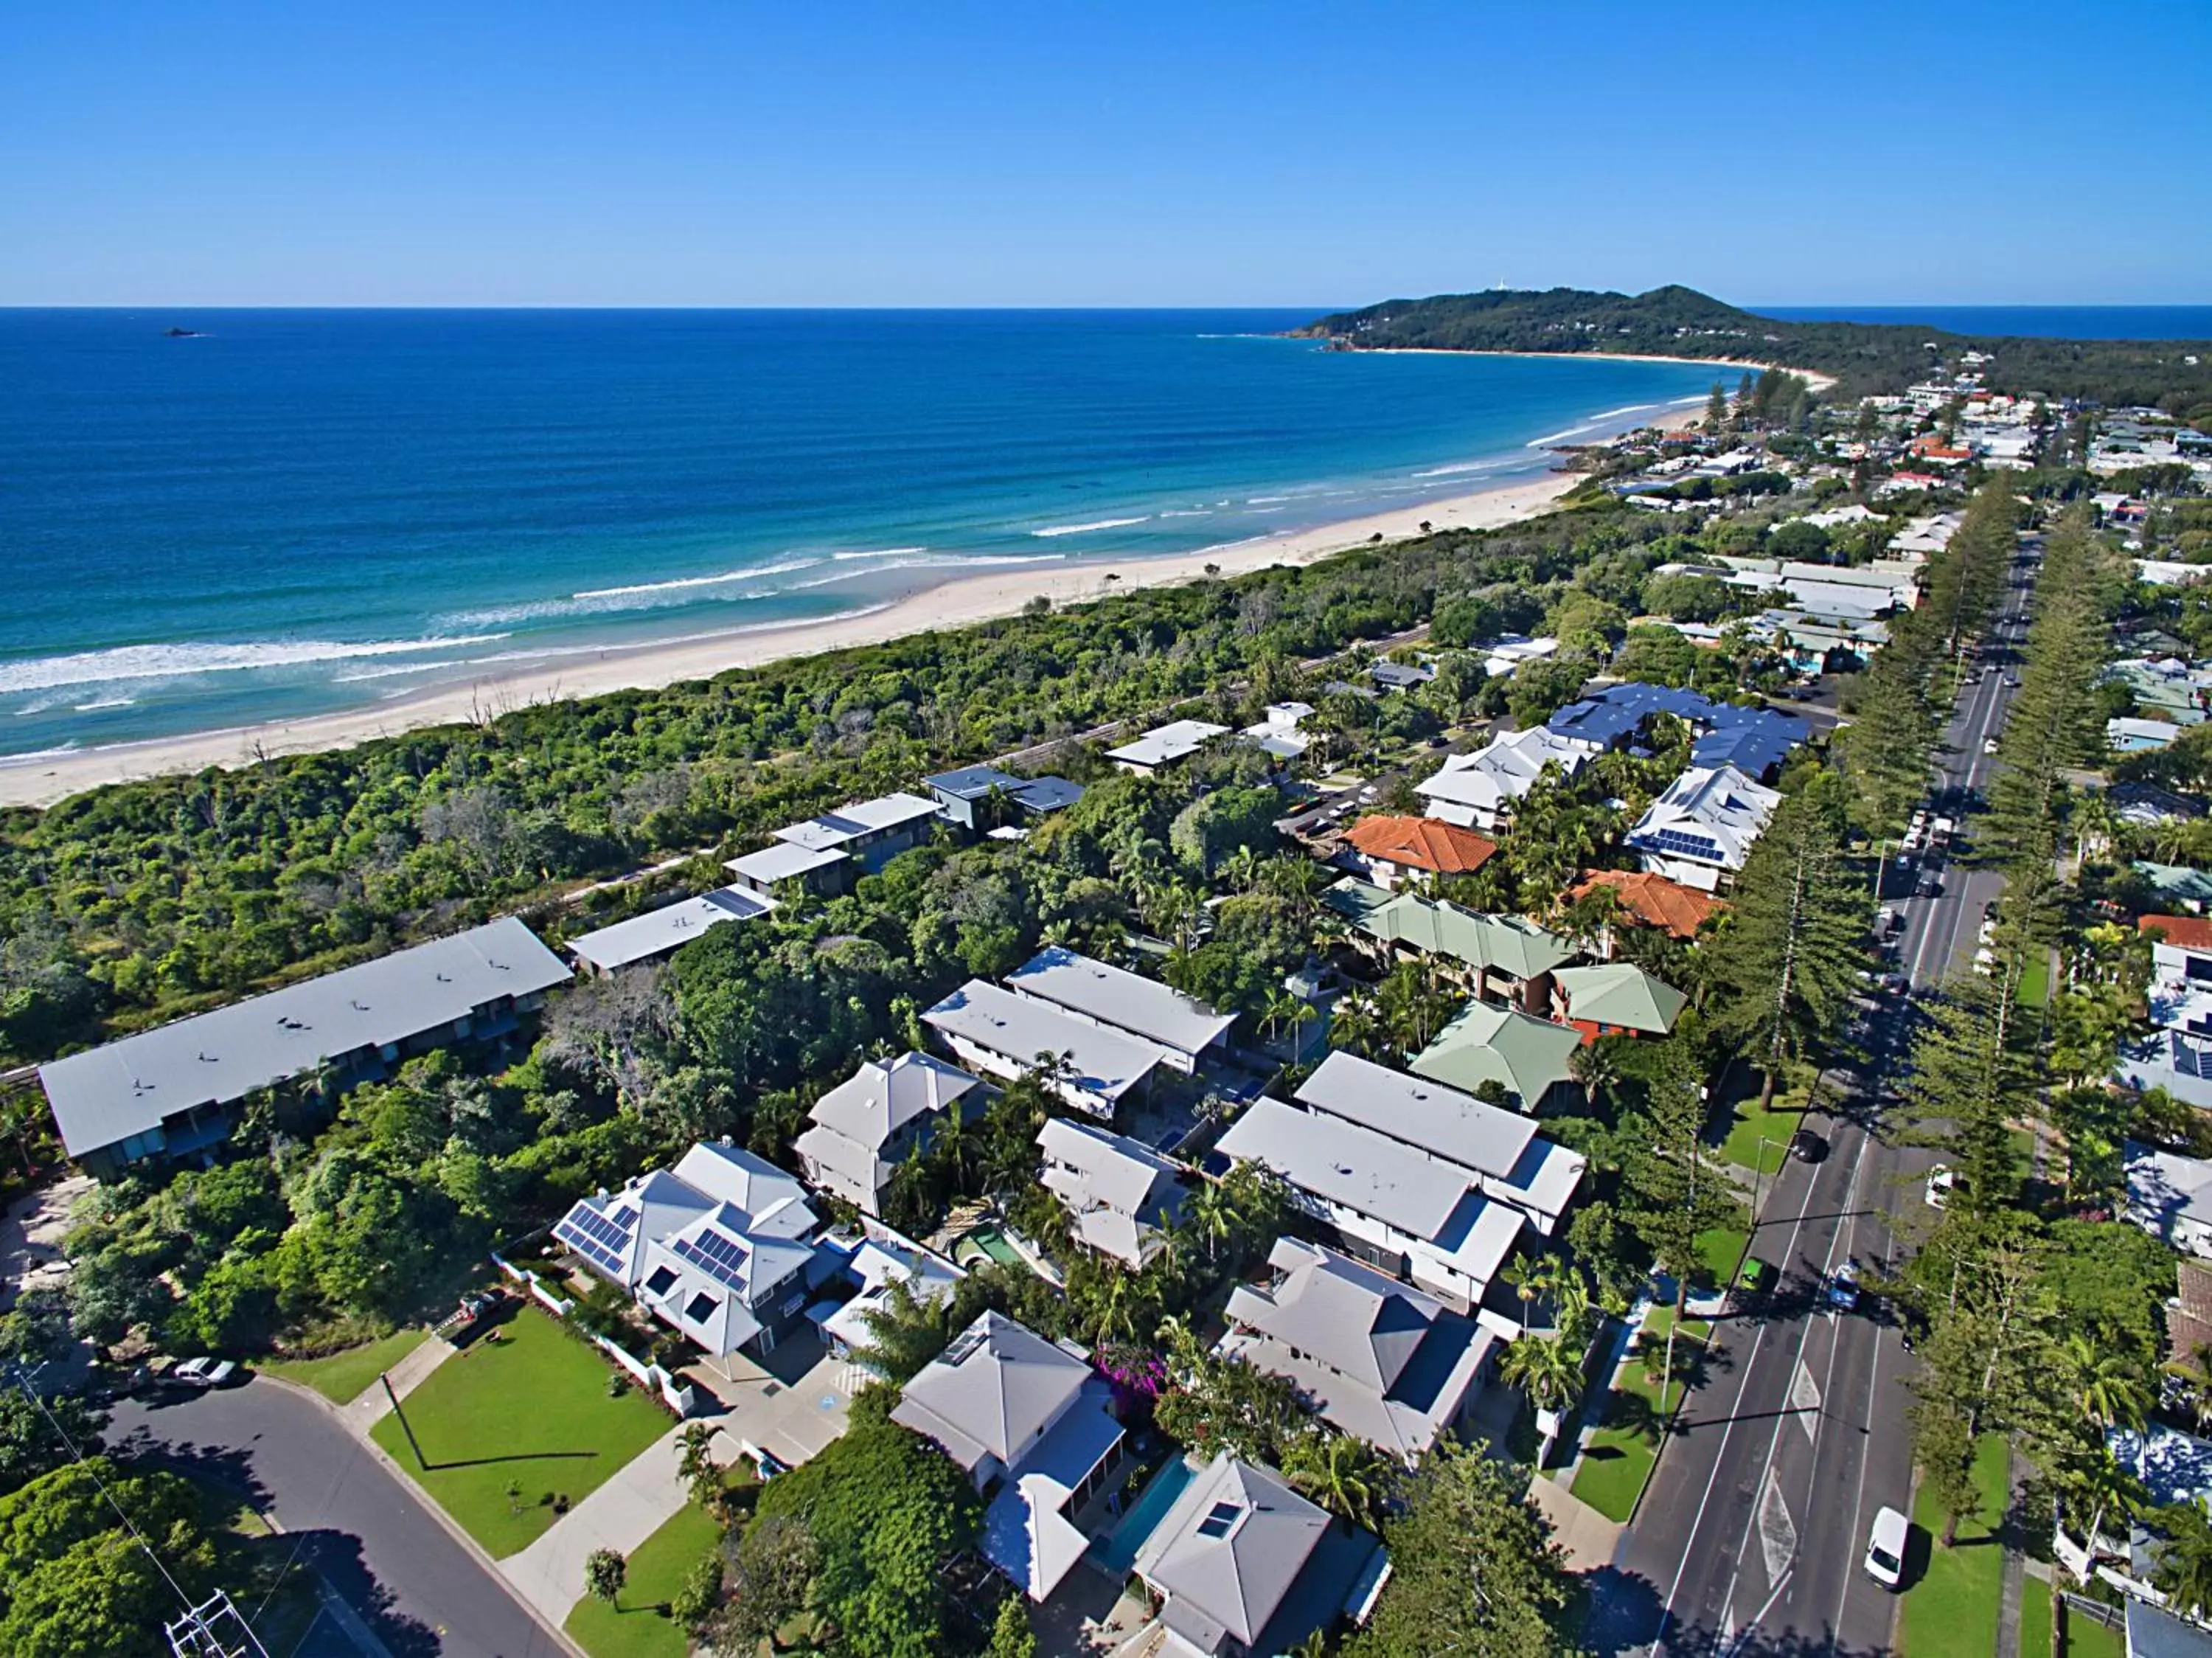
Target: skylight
1220	1520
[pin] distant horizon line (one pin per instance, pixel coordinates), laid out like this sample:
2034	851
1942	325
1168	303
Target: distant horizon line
1214	305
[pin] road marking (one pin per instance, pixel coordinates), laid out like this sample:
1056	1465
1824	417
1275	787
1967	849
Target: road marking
1805	1400
1778	1531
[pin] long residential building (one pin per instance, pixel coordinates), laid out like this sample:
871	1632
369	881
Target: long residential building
1116	999
1005	1035
174	1092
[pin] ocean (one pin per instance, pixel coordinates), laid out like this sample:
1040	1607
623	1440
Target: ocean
295	512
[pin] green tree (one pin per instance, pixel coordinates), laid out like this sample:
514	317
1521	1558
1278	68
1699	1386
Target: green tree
1673	1189
1346	1476
1010	1635
605	1574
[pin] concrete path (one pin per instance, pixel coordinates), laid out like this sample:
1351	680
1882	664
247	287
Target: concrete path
1586	1537
619	1515
373	1404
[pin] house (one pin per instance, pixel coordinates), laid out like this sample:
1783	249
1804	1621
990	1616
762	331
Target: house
2125	734
1616	999
724	1247
660	932
1119	1192
2177	1054
1643	899
981	798
2177	883
2151	1632
1390	1205
781	869
1276	732
1399	676
1164	746
1479	790
1241	1564
1412	852
1503	957
175	1091
1030	1424
1700	832
1116	999
1755	741
870	832
1507	654
2146	804
880	1260
1372	1358
1002	1034
1530	1059
2170	1196
863	1129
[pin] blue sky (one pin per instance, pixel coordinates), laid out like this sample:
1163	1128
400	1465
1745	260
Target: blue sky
856	153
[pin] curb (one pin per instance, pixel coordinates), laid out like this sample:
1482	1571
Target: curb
561	1638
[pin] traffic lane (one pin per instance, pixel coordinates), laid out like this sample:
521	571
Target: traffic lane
368	1534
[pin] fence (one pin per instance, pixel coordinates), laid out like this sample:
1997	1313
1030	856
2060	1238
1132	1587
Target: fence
678	1395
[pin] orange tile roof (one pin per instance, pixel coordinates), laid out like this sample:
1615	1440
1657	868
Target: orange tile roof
1421	843
1653	900
2183	932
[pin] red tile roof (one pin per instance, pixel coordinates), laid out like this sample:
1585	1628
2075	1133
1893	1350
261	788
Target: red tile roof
1652	900
1421	844
2183	932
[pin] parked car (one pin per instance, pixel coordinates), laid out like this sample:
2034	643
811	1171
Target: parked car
1844	1287
1754	1279
1807	1147
202	1373
1942	1181
1884	1555
1988	745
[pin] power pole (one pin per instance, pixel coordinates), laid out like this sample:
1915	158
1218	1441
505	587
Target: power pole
405	1426
213	1629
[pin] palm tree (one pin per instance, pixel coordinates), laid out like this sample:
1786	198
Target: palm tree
1346	1476
1353	1025
1281	1009
1241	869
2107	1389
1549	1373
1210	1214
1596	1066
2185	1560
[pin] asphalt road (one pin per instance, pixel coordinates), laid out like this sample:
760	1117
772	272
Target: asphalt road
366	1533
1750	1536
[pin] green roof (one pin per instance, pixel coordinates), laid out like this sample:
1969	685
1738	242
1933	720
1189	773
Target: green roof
1522	1054
1436	927
1616	993
2177	880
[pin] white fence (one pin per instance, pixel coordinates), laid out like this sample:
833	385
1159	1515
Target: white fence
676	1394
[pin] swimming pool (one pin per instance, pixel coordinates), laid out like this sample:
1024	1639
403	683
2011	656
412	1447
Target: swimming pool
988	1241
1114	1552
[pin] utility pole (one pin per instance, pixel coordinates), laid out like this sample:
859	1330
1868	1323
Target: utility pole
405	1427
213	1629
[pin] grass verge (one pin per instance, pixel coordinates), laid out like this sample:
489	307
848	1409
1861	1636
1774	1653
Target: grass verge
1952	1606
2086	1638
1620	1455
2034	1619
506	1424
637	1627
344	1376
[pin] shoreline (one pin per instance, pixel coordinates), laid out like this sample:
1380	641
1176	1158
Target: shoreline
45	779
1812	377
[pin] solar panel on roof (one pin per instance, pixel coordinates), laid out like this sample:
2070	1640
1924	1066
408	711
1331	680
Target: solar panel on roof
595	1242
715	1253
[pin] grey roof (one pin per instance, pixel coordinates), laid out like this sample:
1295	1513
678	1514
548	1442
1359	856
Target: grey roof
972	782
1228	1551
877	1100
669	927
1114	995
993	1390
1048	793
783	860
857	818
1353	1167
1172	742
2155	1634
1455	1126
1019	1028
111	1093
1118	1191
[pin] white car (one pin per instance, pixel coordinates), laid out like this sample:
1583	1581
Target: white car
1942	1181
1884	1555
1990	746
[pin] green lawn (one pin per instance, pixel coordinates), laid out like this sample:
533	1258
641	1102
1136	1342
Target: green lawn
1719	1250
530	1408
2035	979
1620	1455
2034	1619
1748	1125
2088	1639
1954	1606
342	1377
658	1567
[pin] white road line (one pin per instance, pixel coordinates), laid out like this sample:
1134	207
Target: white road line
1805	1400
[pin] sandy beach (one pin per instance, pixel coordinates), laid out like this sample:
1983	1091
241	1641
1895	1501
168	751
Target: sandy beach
50	778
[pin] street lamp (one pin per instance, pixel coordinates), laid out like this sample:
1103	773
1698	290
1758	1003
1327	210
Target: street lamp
1758	1174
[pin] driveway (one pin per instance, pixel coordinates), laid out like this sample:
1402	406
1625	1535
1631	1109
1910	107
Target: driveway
368	1534
31	1237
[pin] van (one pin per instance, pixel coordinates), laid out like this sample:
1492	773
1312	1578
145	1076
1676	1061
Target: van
1884	1555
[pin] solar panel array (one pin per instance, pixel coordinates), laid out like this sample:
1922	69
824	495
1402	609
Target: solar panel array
717	1254
1674	840
603	1239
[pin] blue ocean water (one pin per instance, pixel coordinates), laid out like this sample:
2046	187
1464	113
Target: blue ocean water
300	511
2035	322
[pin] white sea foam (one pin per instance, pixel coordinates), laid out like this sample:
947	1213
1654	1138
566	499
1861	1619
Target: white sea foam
1099	524
31	757
390	673
886	552
1458	467
1547	441
939	561
104	702
679	584
1626	409
1187	512
166	662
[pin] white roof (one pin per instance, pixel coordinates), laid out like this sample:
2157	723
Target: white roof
1117	1191
883	1260
857	818
1018	1028
671	927
1114	995
876	1101
1709	814
1454	1126
110	1093
1505	768
782	861
2166	1186
1167	743
1360	1170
